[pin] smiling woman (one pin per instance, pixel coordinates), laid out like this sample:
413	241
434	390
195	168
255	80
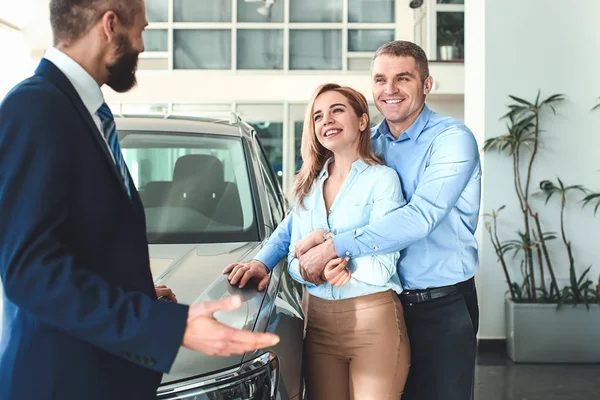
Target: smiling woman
342	186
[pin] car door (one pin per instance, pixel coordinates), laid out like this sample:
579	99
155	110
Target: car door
287	308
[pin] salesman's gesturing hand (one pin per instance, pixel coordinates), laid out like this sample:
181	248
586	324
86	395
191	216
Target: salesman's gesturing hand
203	333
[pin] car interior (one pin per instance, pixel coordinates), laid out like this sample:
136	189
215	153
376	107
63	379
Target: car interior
198	185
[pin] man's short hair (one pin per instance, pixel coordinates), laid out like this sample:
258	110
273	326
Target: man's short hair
72	19
402	48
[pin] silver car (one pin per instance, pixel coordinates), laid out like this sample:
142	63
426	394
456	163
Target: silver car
211	198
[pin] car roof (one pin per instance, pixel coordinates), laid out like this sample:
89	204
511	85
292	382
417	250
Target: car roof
183	124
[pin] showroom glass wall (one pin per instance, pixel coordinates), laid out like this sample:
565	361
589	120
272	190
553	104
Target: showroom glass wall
269	38
263	37
273	35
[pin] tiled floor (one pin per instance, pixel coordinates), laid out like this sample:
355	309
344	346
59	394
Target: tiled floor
498	378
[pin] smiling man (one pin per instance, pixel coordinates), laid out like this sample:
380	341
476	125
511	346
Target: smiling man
437	159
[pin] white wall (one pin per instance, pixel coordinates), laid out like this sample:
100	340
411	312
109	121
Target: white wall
452	106
19	66
202	86
33	17
517	47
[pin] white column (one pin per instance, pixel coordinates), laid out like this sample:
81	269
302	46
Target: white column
16	62
517	47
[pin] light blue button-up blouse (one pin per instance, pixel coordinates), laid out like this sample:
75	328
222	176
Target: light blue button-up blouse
368	193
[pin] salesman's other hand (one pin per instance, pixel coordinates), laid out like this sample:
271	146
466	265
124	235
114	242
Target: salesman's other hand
164	291
241	273
313	262
206	335
308	242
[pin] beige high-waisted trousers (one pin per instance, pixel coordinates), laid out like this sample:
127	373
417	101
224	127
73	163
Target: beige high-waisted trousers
356	348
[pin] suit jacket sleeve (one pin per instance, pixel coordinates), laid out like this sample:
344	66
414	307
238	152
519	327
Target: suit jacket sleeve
39	273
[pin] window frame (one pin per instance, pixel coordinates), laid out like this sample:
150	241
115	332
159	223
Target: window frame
151	58
428	15
274	193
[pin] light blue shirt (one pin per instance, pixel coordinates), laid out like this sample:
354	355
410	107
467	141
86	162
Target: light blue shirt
368	193
437	159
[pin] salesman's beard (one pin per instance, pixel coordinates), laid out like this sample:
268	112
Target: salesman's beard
121	73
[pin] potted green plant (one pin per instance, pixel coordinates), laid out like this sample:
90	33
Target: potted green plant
545	321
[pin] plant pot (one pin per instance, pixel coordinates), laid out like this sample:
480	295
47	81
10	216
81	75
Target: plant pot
448	53
539	333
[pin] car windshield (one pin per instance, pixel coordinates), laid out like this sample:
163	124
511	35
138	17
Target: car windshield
195	188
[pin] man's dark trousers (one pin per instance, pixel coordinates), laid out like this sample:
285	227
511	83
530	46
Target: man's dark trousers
442	335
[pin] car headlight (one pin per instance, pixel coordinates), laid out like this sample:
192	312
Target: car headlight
253	380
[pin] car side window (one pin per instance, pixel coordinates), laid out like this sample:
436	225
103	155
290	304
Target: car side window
272	192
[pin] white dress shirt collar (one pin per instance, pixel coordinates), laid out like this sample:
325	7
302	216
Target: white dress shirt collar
359	165
86	87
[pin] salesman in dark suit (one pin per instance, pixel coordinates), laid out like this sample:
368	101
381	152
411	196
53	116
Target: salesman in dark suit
81	319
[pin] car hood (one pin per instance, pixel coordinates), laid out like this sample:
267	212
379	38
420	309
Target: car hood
195	274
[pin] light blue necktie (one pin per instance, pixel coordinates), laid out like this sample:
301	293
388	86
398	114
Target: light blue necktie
110	133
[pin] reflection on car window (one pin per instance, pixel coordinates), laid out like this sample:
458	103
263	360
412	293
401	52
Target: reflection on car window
270	182
195	188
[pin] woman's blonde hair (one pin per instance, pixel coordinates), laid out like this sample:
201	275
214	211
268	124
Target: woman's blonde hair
314	155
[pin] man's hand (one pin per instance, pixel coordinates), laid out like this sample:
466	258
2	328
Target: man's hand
308	242
243	272
206	335
164	291
313	262
336	273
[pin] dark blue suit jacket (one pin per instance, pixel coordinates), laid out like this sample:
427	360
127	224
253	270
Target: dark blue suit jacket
80	319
